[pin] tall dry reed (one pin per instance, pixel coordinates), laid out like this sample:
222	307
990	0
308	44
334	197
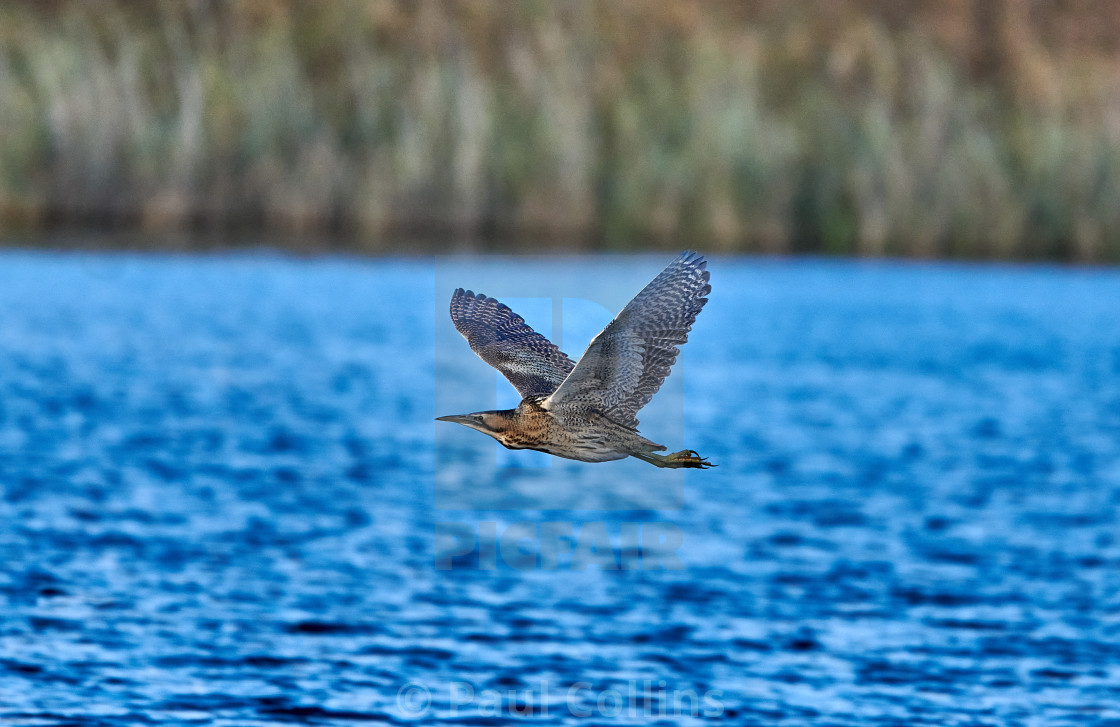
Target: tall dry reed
980	128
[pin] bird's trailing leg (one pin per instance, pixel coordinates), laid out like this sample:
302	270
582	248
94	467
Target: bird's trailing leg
684	458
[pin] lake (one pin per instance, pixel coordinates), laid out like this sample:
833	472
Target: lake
225	500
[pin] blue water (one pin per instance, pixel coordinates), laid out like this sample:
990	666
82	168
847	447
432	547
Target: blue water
224	501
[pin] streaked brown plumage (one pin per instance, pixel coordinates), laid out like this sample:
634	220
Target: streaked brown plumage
587	411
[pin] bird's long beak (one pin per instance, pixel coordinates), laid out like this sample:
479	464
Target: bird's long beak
465	419
471	421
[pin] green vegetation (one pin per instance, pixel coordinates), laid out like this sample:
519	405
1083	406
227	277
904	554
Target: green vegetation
973	128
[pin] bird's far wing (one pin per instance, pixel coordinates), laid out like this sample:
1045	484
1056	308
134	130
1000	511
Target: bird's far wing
500	337
626	363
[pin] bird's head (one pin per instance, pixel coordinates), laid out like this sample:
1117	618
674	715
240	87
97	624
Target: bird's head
494	423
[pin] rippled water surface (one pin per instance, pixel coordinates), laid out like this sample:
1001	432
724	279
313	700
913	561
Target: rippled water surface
225	500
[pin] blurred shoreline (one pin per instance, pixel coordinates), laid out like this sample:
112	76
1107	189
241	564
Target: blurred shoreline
981	129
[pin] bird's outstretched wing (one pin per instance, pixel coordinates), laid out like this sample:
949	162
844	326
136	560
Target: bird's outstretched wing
626	363
500	337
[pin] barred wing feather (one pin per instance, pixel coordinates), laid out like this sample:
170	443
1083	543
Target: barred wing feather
627	362
501	338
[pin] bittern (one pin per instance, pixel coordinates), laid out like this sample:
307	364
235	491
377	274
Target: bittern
587	411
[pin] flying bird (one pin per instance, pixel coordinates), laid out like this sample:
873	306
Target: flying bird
587	411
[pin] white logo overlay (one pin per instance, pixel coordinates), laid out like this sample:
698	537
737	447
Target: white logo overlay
633	699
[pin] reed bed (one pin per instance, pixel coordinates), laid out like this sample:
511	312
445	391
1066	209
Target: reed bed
962	128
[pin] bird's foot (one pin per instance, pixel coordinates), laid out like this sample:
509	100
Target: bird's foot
686	458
